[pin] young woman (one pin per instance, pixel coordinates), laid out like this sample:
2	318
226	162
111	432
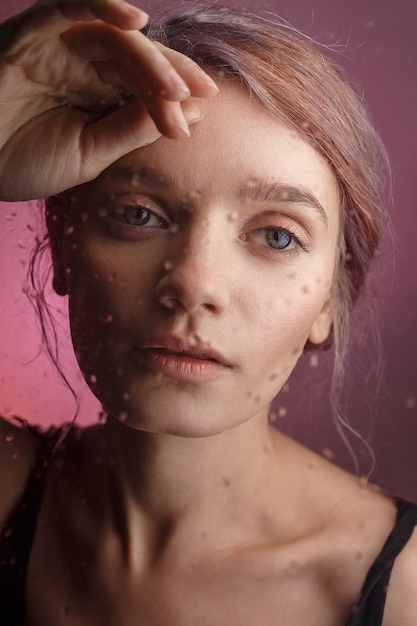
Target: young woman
213	208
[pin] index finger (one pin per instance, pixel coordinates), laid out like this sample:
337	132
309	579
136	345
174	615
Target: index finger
52	17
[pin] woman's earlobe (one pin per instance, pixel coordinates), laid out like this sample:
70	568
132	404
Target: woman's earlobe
322	325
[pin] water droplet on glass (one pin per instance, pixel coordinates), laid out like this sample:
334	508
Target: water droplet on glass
136	179
329	454
173	229
170	303
286	388
93	378
69	230
282	412
9	438
168	265
314	360
411	402
123	416
126	396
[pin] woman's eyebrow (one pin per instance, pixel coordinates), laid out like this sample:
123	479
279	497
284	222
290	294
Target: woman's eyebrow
260	190
143	175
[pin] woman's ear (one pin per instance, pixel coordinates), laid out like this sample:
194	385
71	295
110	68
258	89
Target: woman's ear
322	325
56	216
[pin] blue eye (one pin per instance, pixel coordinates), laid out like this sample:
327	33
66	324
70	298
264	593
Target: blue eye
279	239
132	214
138	216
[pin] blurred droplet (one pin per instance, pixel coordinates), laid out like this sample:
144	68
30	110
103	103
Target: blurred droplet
136	179
329	454
233	216
173	229
314	360
168	265
9	438
93	378
126	396
410	402
286	388
282	412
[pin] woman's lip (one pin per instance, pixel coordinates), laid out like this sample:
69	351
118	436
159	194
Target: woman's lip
180	365
187	359
192	347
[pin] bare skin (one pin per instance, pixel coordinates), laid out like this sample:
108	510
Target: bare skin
203	514
308	530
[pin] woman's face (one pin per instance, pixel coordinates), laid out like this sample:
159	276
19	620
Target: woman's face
197	270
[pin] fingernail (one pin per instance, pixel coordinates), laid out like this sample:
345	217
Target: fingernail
184	129
177	83
195	118
129	8
210	83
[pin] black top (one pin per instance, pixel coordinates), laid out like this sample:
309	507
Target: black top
17	536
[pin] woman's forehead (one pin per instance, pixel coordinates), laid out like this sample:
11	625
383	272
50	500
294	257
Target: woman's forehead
238	148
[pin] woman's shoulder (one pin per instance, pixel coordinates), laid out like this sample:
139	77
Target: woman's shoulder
20	445
17	450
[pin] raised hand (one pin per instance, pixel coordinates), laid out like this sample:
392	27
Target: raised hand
80	86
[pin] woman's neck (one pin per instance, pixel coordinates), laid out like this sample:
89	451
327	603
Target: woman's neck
222	480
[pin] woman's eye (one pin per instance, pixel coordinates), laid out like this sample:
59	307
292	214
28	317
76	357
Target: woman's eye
276	238
134	215
138	216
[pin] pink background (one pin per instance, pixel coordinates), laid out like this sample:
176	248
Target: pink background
376	42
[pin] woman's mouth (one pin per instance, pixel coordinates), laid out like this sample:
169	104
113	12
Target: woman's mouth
182	359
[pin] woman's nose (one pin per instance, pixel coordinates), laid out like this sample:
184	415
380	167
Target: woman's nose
195	280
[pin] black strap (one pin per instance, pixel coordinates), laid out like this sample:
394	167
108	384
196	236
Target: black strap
370	608
17	536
